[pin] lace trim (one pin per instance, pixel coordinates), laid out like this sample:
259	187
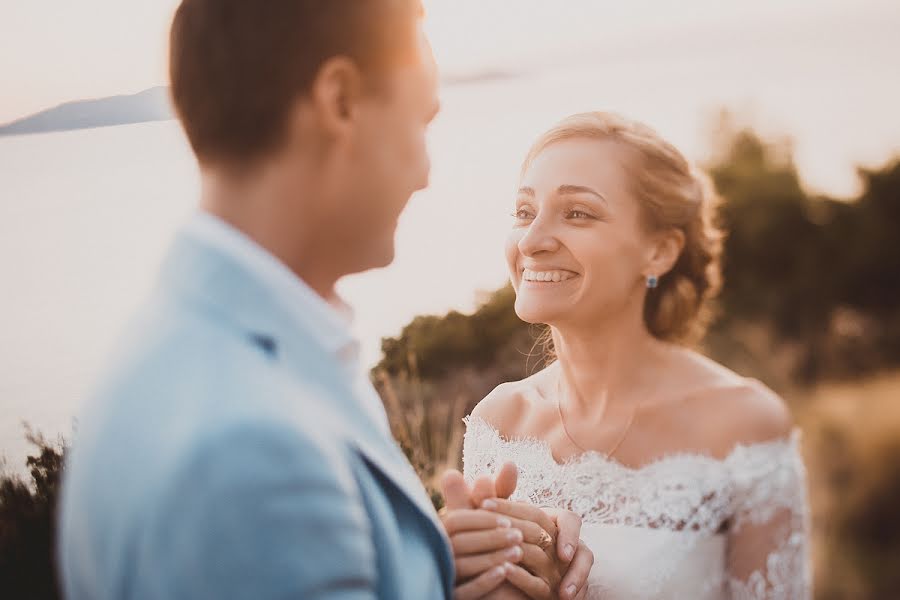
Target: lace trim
681	491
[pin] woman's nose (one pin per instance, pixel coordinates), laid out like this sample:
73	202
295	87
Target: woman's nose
538	238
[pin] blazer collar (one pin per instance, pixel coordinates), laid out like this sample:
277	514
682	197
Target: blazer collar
328	321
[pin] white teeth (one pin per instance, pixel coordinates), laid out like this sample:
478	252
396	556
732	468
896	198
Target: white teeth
547	276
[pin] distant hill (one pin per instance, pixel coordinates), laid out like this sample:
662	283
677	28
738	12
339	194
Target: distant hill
149	105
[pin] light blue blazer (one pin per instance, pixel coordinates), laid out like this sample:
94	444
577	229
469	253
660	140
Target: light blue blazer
226	456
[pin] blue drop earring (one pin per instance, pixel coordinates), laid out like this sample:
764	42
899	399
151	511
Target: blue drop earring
652	281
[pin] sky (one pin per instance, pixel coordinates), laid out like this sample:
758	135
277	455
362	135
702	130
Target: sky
53	51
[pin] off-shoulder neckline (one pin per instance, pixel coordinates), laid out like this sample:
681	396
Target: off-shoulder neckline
791	441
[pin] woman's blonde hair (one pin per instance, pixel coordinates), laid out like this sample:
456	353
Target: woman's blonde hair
672	194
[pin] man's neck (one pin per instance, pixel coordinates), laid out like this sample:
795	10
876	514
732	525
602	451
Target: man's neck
256	210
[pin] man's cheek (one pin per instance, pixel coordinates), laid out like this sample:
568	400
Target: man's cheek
422	160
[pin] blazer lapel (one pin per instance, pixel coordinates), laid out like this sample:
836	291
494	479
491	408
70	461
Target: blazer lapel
380	449
384	454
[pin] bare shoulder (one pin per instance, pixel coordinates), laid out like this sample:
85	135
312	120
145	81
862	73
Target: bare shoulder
736	410
506	407
757	413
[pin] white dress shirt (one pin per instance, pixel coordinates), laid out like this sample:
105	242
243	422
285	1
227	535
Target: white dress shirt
329	323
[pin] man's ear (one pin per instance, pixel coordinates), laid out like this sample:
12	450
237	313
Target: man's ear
664	252
335	95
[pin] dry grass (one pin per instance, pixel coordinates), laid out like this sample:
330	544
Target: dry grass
852	450
426	419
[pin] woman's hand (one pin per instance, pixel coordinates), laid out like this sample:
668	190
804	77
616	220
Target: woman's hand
556	564
539	573
578	558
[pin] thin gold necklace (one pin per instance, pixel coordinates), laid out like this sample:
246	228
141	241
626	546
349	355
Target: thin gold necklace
562	421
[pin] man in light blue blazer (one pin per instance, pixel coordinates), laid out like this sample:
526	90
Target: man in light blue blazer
235	448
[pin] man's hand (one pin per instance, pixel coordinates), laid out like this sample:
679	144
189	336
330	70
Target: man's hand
485	544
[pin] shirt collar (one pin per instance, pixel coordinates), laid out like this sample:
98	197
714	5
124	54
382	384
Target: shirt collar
329	323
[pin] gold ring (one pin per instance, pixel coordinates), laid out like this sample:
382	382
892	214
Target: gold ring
546	541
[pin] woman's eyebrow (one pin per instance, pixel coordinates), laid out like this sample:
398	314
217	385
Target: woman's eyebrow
565	190
568	189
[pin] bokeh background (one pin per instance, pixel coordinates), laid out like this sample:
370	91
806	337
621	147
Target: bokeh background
792	107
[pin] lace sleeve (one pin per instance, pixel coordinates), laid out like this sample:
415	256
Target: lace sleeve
768	540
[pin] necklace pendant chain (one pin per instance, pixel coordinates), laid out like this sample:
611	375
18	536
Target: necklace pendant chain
565	429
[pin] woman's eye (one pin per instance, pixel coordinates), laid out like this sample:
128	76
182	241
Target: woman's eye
578	214
522	214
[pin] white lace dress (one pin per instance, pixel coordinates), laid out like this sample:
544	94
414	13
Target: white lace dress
686	526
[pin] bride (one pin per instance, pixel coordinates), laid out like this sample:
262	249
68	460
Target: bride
687	476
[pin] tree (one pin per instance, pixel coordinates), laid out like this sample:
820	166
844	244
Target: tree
28	525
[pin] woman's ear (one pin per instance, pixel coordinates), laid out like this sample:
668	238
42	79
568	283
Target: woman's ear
664	252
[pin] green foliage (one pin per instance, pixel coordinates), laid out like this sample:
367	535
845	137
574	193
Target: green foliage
766	215
795	262
28	525
871	270
433	346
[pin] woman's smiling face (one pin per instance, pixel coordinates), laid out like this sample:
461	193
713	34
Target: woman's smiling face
577	250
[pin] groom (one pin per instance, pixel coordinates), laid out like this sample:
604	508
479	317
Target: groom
236	449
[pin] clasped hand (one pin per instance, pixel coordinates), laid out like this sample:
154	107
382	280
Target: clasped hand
511	550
